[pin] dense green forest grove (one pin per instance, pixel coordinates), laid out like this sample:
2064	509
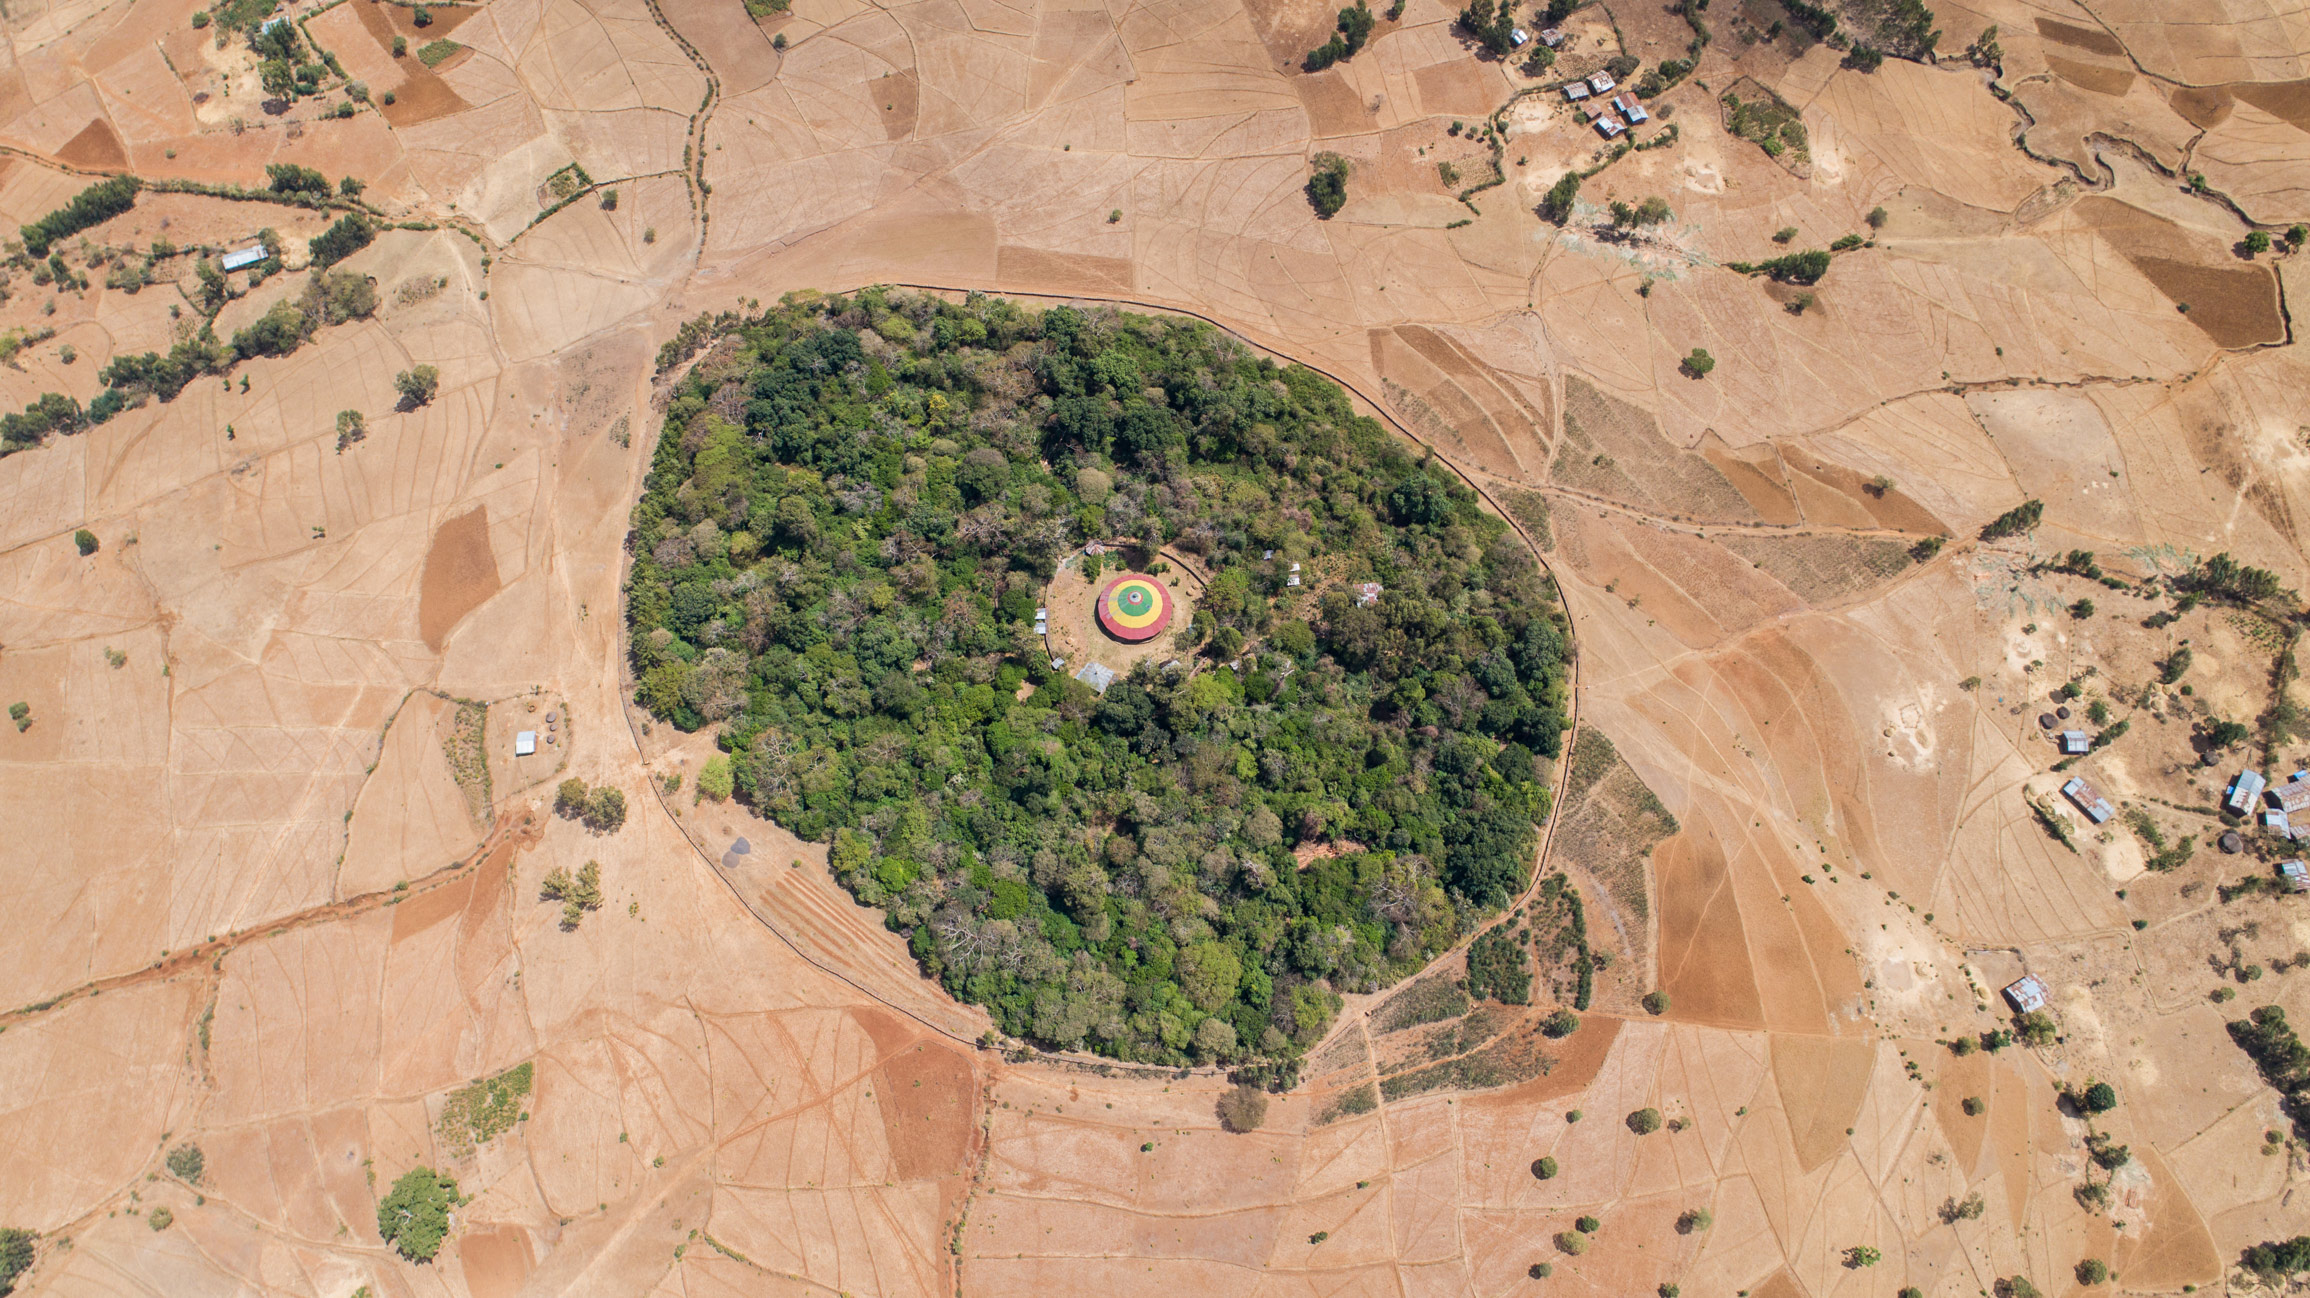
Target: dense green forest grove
853	511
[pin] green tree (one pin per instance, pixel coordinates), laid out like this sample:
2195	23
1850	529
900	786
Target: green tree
1327	185
1562	1023
86	541
1644	1121
1544	1168
578	895
2098	1097
15	1256
605	810
1556	207
1861	1255
2013	522
1698	364
160	1218
2093	1271
2270	1260
569	800
417	385
414	1217
1655	1002
2257	243
1693	1219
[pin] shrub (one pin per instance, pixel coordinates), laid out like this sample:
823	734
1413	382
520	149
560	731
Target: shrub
417	385
2035	1028
1544	1168
1655	1002
1327	185
1243	1108
1644	1121
1668	1290
423	17
1562	1023
1876	218
20	712
1925	549
2092	1271
86	540
1692	1219
2081	610
2014	1287
2257	243
160	1218
610	200
414	1217
1784	234
186	1164
1571	1243
717	778
1540	1270
1861	1255
200	19
1973	1106
400	47
352	427
1698	364
1586	1225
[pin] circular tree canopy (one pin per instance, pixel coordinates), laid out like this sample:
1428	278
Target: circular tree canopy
853	510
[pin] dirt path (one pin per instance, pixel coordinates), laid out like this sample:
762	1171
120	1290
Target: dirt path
513	831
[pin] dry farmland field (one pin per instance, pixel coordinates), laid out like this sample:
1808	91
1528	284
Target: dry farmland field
410	889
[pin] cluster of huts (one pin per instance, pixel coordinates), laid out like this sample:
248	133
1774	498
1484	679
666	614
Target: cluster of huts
1589	94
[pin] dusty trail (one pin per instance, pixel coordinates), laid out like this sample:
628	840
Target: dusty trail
513	832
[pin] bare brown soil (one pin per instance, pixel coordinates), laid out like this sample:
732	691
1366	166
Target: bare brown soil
2089	39
2235	304
460	575
97	145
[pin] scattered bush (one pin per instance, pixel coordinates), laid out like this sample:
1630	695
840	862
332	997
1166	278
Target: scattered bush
414	1217
1644	1121
1861	1255
576	895
1692	1219
186	1164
